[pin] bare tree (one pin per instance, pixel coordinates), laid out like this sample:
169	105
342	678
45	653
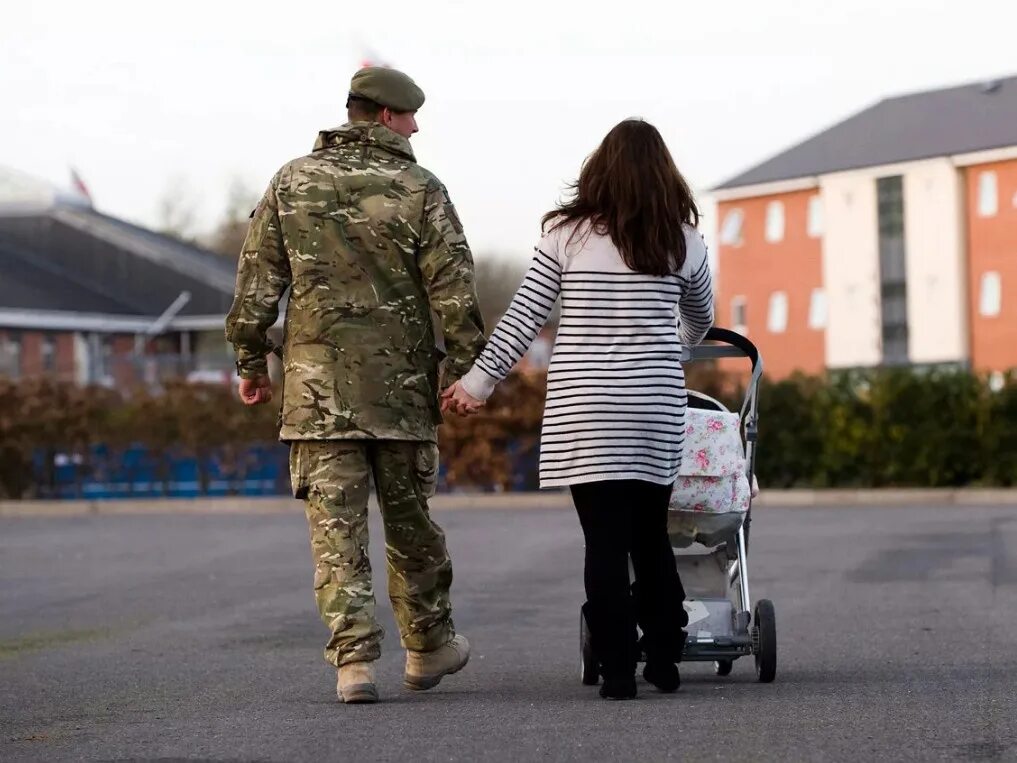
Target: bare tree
177	209
228	236
498	277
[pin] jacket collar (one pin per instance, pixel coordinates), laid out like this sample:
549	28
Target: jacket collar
365	133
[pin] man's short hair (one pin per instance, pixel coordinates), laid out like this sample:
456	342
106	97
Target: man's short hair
362	109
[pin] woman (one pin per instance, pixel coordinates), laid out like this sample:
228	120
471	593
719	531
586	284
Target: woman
626	258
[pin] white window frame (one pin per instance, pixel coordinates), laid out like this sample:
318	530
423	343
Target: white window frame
12	348
814	222
740	303
775	222
731	227
48	353
988	194
776	313
990	294
819	310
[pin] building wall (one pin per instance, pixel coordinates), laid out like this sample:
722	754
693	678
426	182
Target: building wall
31	354
122	365
992	248
65	357
755	269
851	270
935	257
937	273
109	359
31	362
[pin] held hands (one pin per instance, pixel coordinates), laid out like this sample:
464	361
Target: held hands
255	391
458	400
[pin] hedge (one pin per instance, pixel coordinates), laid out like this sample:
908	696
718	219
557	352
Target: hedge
888	428
881	428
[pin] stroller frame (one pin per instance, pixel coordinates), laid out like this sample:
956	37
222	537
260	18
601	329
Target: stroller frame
723	624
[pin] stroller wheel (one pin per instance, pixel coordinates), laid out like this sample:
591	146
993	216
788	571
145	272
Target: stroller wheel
723	667
764	641
589	671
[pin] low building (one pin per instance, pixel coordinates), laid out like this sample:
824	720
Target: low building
89	298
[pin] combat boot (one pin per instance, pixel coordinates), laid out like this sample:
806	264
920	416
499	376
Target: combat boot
356	683
424	670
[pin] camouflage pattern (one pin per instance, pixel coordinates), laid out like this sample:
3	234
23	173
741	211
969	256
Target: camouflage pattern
369	244
333	478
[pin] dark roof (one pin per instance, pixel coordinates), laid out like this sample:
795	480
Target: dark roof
77	259
955	120
30	285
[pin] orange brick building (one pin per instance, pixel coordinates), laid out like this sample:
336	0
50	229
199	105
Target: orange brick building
991	213
888	239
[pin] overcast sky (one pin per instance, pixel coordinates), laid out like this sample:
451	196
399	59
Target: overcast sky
140	96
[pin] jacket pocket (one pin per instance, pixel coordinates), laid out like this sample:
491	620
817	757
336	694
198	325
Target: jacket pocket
300	468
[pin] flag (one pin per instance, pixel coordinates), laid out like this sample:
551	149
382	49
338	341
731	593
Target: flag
369	57
79	186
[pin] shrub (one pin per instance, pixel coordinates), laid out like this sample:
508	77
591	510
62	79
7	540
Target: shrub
879	428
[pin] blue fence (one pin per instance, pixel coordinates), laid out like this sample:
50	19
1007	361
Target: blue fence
136	472
258	470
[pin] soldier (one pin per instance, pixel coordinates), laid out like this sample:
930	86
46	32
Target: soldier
369	244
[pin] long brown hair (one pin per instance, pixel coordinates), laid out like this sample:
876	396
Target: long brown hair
631	190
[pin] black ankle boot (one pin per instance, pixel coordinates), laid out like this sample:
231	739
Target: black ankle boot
618	688
663	674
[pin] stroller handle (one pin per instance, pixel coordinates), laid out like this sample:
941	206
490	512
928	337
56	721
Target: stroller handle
738	346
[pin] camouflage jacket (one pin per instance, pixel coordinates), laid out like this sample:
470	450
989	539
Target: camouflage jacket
369	244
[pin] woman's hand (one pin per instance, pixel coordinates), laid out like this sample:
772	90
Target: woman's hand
456	399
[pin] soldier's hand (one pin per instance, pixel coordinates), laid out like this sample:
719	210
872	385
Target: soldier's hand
456	399
255	391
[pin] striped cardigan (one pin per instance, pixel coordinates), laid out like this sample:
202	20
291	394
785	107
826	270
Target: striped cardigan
615	385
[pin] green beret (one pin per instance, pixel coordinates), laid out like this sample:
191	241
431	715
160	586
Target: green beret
387	87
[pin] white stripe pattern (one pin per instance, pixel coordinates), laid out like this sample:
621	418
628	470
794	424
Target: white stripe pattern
615	386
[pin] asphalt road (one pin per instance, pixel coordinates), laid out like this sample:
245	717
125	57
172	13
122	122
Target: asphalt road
195	637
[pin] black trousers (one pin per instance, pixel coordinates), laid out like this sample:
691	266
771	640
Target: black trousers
625	519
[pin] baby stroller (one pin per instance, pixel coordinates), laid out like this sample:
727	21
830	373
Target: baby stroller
708	525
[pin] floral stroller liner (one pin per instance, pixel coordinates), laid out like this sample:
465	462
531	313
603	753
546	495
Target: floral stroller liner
712	492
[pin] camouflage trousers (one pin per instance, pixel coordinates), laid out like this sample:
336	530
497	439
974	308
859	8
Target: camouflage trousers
333	478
